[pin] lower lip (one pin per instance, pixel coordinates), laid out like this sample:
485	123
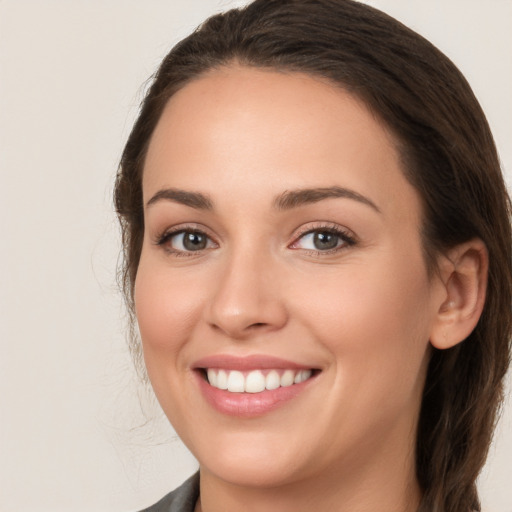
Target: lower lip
248	405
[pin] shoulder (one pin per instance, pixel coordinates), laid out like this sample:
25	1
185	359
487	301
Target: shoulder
182	499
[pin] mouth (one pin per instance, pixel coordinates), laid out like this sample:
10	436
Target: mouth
255	381
251	386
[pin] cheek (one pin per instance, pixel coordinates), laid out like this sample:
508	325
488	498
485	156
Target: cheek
166	309
376	324
362	300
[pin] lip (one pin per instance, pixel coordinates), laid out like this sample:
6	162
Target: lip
247	363
248	405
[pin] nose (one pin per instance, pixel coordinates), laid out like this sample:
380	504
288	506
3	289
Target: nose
248	299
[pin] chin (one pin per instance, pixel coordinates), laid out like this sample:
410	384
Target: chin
250	460
262	473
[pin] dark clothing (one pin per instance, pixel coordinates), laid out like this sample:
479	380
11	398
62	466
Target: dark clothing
182	499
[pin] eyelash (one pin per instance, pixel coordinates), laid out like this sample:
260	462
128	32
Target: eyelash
163	239
346	238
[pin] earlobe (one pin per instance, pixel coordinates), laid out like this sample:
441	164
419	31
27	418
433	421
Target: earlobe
464	277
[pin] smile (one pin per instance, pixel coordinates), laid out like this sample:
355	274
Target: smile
251	386
255	381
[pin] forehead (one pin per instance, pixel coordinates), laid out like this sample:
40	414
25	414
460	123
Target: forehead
237	129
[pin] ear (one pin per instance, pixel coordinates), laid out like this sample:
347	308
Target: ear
463	274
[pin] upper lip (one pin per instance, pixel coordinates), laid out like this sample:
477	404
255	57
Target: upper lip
248	363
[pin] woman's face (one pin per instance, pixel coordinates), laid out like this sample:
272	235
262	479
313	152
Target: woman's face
282	243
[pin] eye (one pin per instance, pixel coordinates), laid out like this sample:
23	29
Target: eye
324	240
186	241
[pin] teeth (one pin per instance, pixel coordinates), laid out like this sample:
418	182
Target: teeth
302	376
212	377
272	381
236	382
255	381
287	378
222	380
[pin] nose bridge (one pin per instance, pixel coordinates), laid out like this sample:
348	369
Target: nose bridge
246	299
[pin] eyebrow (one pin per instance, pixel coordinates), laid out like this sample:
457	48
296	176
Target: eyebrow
288	200
193	199
294	198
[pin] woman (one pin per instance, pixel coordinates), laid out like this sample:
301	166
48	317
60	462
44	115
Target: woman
317	252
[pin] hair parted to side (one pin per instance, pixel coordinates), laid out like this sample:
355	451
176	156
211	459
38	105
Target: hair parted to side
448	155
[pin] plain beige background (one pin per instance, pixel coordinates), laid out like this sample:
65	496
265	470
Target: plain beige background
73	432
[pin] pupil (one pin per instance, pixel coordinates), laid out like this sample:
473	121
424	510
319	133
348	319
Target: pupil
325	240
194	241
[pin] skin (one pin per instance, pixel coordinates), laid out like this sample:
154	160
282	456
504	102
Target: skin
363	314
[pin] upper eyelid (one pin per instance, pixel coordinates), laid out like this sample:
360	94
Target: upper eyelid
327	226
180	228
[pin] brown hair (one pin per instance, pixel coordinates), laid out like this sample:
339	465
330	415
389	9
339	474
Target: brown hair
448	155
